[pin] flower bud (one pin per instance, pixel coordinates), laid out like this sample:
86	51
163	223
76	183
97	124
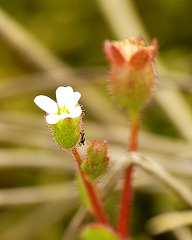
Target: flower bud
132	74
96	152
97	161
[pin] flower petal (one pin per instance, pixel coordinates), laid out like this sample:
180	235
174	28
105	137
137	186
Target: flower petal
61	96
76	112
72	101
52	118
63	116
76	96
46	104
68	94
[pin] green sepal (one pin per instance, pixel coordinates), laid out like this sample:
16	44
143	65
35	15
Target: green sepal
97	231
66	132
132	87
99	169
82	192
86	166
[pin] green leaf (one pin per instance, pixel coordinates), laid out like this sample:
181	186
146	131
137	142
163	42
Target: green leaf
98	232
82	192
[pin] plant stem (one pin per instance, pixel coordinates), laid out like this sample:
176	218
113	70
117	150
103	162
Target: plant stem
94	197
123	227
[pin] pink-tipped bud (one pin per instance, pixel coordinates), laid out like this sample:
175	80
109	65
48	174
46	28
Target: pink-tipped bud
132	75
97	161
96	152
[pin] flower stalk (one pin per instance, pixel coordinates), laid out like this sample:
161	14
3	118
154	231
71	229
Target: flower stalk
92	192
123	227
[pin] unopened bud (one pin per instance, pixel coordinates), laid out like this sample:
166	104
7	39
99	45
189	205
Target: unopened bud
96	152
97	161
132	75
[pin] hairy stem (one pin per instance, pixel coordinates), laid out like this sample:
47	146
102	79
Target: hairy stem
123	226
94	197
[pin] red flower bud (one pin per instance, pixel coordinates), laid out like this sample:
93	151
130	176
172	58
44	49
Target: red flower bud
132	74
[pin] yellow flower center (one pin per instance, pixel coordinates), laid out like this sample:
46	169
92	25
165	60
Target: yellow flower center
62	110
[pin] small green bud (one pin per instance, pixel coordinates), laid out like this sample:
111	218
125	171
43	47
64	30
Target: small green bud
97	161
96	152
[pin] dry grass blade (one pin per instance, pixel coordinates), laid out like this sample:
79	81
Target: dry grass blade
21	135
41	82
25	45
35	195
171	101
169	221
171	79
74	225
158	171
14	158
30	226
118	13
182	233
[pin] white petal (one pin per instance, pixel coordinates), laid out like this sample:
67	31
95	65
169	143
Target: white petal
69	90
62	94
52	118
76	112
63	116
46	104
72	102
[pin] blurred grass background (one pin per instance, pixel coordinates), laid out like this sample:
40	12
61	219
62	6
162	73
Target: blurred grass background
45	44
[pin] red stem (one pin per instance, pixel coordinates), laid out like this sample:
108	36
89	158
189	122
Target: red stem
94	197
126	198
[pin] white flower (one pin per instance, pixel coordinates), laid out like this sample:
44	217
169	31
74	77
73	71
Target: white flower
66	106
